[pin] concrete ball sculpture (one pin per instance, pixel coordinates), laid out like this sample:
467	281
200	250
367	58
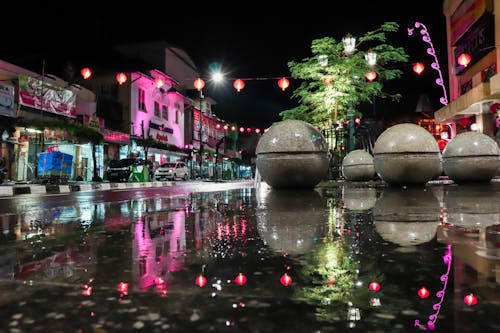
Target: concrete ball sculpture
407	154
358	166
292	154
471	157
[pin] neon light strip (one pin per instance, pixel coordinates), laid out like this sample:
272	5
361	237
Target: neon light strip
440	294
426	38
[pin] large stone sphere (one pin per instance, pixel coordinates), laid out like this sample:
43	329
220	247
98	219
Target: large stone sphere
471	157
292	154
358	166
407	154
408	216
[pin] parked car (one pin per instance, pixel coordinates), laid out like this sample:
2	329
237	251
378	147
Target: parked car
172	171
120	170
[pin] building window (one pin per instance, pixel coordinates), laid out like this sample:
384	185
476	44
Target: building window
176	116
164	112
157	109
142	100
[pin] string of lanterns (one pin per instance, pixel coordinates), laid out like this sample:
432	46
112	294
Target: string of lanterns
239	84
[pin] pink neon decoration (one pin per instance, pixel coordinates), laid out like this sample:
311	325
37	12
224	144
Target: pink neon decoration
431	323
431	51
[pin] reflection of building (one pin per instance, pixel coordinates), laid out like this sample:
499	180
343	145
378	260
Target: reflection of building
474	89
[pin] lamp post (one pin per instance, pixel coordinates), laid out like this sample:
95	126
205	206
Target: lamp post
199	84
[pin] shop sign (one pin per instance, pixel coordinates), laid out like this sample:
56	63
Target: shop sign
45	96
93	122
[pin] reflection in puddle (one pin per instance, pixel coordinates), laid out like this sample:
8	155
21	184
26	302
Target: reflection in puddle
256	261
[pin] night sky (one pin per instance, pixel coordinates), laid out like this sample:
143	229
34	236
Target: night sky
248	39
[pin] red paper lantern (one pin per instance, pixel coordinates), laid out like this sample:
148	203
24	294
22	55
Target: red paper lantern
238	84
286	280
199	84
86	73
200	280
374	286
283	83
240	279
423	292
121	78
464	59
371	75
418	68
159	82
470	300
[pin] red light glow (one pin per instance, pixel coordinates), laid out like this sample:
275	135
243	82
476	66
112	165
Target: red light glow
226	127
86	290
199	84
374	286
286	280
121	78
159	82
470	300
239	84
283	83
201	281
240	279
242	129
233	128
418	68
123	288
86	73
371	75
423	292
464	59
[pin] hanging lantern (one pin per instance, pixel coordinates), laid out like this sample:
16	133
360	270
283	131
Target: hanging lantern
238	84
286	280
349	44
86	73
371	75
464	122
240	279
464	59
257	130
374	286
423	292
323	60
200	280
233	128
418	68
121	78
470	300
283	83
199	84
371	58
159	82
242	129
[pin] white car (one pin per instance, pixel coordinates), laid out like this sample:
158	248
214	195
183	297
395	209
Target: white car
171	171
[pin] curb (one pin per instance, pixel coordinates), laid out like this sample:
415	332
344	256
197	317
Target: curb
55	189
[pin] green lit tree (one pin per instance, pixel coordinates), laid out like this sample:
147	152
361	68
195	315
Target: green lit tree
334	82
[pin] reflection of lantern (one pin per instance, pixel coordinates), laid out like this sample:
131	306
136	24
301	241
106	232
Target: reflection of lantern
470	299
423	292
418	68
199	84
121	78
201	281
86	290
240	279
286	280
86	72
374	286
283	83
464	59
239	84
371	75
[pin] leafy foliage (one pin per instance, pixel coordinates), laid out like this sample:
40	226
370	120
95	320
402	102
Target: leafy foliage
328	93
